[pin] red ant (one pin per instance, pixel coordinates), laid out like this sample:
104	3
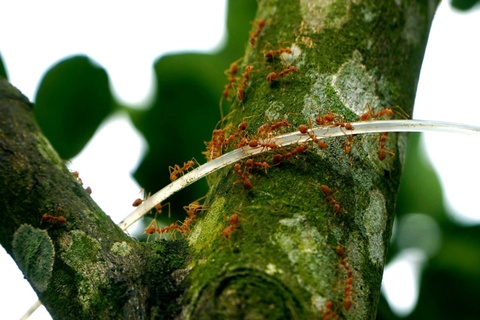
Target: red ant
243	175
243	85
329	314
297	150
214	146
347	293
329	197
271	54
266	129
348	144
372	115
319	142
283	123
327	119
192	210
273	76
57	218
382	153
254	35
233	221
251	163
231	79
241	131
176	170
139	201
76	174
169	228
49	218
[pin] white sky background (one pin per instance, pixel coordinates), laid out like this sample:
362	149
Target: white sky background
129	38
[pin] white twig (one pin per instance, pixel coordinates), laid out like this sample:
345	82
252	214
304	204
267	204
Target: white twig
32	309
286	140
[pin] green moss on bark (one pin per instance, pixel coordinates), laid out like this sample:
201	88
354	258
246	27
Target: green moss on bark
350	56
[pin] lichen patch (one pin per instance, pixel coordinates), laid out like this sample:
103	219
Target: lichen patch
302	244
354	86
34	254
121	248
319	15
375	220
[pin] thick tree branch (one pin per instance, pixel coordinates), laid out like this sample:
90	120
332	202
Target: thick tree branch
301	250
76	259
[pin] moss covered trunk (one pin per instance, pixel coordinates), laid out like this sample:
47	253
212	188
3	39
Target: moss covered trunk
309	239
77	260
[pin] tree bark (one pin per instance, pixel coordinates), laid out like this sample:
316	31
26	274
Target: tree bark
77	260
300	251
297	250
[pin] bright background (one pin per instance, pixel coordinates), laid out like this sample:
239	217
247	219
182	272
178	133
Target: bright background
33	40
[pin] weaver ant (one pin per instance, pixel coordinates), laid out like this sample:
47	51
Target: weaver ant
277	158
382	153
329	314
304	130
273	76
329	197
231	79
233	221
214	146
372	115
271	54
251	164
254	35
243	175
327	119
57	218
347	293
243	85
176	170
240	132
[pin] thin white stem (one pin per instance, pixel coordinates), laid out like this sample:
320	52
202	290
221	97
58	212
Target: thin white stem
286	140
32	309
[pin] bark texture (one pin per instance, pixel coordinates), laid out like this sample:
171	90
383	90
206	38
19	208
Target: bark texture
83	266
297	251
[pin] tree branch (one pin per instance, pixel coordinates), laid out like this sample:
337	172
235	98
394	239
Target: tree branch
76	259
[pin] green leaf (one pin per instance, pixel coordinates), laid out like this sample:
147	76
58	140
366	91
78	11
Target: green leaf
464	4
3	71
73	99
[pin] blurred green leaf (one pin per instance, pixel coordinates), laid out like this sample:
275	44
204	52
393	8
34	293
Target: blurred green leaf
72	100
464	4
3	71
420	190
449	286
186	108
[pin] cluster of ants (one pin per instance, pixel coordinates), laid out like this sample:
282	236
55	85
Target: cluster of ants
192	210
77	176
265	138
241	82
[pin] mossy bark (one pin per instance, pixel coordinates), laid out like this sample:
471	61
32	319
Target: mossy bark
83	267
283	261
